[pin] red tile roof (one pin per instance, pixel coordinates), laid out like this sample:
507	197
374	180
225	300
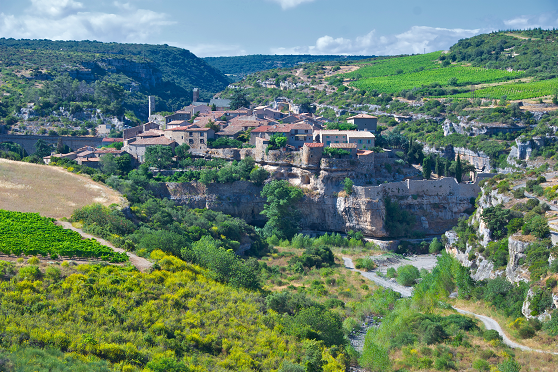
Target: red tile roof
314	144
189	128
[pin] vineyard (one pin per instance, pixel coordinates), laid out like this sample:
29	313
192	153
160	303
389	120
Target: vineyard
465	75
31	234
395	66
516	91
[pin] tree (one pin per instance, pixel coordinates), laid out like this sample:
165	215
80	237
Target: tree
182	151
258	175
374	357
108	164
124	163
426	168
239	100
211	125
407	275
277	140
280	209
458	169
435	246
348	186
158	156
42	148
438	167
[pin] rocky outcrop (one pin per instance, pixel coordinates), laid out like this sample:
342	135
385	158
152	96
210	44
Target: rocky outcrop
526	308
478	159
473	128
438	203
517	248
524	148
481	268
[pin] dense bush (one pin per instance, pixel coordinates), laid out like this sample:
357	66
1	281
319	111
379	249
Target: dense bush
407	275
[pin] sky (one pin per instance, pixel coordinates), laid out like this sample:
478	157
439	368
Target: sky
241	27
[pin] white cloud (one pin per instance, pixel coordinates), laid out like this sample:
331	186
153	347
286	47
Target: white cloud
416	40
70	20
546	20
286	4
55	8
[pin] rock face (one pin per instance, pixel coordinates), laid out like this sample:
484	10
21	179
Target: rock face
517	248
436	204
479	159
523	149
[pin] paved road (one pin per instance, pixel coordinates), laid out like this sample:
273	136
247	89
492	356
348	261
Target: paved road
488	322
140	263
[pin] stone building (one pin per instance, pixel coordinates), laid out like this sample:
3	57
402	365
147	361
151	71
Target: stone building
364	122
196	138
138	147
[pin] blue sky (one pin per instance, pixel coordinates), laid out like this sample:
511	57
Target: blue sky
239	27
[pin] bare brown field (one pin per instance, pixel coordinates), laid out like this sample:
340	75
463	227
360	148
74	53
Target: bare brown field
49	191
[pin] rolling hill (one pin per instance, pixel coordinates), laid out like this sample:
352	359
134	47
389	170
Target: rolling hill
169	73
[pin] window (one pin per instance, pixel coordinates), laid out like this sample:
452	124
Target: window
191	141
359	141
368	141
191	134
201	140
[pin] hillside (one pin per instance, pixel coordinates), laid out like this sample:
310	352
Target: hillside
139	70
238	67
50	191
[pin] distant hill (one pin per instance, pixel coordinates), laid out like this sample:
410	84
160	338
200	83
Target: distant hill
238	67
167	72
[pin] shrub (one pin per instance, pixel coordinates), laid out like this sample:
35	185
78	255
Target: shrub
481	365
33	260
491	335
407	275
435	246
526	332
365	263
509	365
30	273
391	273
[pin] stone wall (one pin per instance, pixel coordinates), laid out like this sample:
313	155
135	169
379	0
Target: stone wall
28	142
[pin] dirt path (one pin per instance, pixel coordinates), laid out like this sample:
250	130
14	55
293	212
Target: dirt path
140	263
488	322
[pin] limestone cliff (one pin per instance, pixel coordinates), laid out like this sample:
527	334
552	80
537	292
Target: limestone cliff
437	204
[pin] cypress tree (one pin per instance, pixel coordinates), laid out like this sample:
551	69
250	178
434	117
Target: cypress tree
458	170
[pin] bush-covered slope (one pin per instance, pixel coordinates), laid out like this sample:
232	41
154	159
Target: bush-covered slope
167	72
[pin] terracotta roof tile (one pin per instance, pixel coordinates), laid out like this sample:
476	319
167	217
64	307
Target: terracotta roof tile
152	141
314	144
343	145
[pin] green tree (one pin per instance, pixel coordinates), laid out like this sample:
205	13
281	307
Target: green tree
158	156
426	168
125	163
348	186
258	175
374	357
458	169
239	99
277	140
435	246
42	148
108	164
211	125
407	275
182	151
280	209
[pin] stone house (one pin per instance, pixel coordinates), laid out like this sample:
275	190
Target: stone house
196	138
364	122
363	140
138	147
297	134
180	115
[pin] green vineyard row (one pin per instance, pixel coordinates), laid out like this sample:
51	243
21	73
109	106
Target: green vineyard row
31	234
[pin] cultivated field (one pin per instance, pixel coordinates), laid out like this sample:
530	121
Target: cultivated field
49	191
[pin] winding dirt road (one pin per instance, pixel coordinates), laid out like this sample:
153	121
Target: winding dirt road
140	263
488	322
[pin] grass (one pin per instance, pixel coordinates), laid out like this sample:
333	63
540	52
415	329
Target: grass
49	191
516	90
